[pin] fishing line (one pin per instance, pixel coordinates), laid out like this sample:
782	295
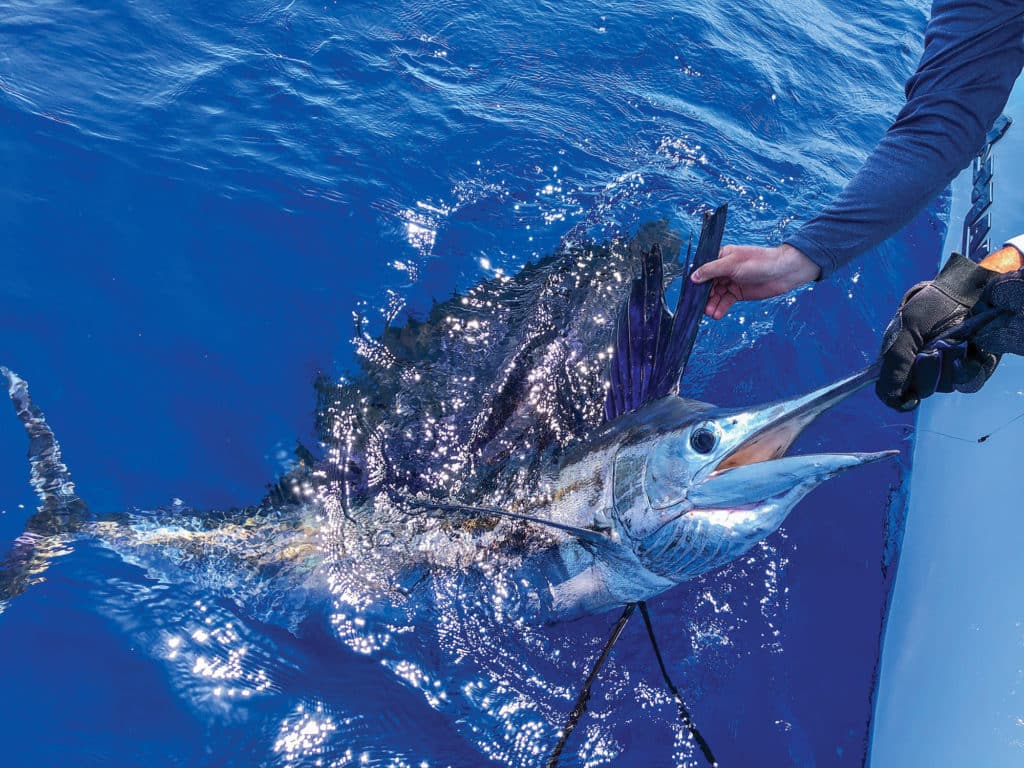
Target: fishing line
586	535
973	440
983	438
584	697
909	429
684	713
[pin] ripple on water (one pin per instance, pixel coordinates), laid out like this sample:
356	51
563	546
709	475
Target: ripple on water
469	142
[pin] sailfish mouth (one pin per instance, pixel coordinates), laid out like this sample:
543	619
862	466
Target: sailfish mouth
755	468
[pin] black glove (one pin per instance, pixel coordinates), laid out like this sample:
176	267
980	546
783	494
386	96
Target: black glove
1005	333
910	369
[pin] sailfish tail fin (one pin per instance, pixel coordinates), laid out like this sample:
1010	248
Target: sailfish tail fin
60	510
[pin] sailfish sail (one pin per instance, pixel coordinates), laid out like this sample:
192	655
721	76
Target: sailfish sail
653	345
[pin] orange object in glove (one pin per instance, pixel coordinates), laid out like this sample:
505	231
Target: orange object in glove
1006	259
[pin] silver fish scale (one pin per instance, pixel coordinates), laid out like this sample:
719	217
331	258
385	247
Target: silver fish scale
582	495
689	548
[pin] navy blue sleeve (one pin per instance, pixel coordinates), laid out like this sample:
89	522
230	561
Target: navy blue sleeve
973	53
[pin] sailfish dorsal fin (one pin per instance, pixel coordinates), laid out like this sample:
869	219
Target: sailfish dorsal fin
652	345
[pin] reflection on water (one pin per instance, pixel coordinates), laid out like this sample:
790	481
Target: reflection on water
303	735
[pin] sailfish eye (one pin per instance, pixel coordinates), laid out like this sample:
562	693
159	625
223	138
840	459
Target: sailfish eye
703	439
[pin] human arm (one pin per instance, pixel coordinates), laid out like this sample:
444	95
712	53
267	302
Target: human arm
973	53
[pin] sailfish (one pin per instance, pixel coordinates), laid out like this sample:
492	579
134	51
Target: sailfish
661	489
669	488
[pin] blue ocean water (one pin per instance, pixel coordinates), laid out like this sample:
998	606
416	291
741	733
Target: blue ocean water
195	200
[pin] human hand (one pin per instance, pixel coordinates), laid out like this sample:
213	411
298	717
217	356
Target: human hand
1005	333
1004	294
956	357
748	272
917	358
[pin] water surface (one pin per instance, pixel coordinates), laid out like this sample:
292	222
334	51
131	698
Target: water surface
196	199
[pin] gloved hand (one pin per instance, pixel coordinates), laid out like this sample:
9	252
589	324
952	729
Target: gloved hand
909	371
950	364
1006	332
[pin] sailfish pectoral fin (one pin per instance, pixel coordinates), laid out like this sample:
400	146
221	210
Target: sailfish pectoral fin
583	534
586	592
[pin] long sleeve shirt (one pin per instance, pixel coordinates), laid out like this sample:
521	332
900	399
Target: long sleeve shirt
973	53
